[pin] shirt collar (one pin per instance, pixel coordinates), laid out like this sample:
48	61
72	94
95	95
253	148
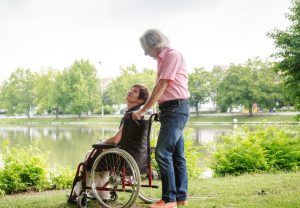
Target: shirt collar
137	107
163	53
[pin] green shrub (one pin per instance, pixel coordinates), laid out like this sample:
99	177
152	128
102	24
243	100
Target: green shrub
282	149
107	110
2	192
62	179
192	153
263	150
24	169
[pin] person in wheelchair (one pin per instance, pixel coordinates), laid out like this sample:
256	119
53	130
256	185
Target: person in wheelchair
136	97
131	136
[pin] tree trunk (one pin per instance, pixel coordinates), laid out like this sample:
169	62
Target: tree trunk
197	110
28	112
250	110
56	113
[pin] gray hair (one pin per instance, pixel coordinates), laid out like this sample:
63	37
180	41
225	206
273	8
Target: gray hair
153	38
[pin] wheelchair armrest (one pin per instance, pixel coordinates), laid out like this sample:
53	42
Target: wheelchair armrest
104	146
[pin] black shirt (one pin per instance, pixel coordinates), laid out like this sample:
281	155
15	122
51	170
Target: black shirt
134	138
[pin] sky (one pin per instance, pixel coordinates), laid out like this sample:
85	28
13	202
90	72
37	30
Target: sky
38	34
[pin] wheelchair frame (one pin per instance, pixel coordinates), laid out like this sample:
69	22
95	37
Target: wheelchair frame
123	177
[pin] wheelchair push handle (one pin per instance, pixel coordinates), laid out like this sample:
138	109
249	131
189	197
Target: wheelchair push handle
154	117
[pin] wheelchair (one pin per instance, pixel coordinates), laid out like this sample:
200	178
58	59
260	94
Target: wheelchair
114	177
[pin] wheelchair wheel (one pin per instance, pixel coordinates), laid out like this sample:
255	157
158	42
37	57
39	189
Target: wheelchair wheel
82	201
151	188
120	183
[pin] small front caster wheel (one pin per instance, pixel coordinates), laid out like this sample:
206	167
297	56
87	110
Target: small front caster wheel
82	201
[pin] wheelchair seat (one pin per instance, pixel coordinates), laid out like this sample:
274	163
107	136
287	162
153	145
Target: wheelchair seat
104	146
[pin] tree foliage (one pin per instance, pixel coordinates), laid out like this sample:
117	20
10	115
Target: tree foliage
17	92
45	90
252	82
202	86
288	52
75	90
82	86
118	88
218	74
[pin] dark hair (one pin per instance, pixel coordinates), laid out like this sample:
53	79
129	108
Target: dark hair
143	92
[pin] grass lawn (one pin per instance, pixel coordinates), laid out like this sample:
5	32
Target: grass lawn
247	191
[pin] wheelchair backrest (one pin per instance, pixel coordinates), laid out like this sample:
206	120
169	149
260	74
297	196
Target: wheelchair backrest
135	136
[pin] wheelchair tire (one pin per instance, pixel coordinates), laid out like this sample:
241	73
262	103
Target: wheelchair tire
150	194
82	201
122	180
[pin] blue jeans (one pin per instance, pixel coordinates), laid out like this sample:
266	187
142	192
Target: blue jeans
169	152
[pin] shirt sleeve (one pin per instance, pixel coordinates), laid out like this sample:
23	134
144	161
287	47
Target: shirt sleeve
170	66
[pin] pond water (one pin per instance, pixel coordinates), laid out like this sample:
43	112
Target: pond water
68	144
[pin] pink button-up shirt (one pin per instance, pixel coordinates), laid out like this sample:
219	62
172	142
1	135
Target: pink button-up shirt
171	66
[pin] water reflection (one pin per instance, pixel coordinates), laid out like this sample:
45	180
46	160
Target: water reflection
207	137
67	144
210	134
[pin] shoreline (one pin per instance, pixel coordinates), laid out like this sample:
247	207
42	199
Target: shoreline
205	119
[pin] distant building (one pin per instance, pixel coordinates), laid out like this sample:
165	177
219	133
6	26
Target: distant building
222	67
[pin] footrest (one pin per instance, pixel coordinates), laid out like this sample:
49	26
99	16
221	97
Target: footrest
104	146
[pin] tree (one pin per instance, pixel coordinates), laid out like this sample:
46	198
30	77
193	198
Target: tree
218	72
117	89
288	45
252	82
45	90
83	87
270	84
9	98
201	86
17	92
62	93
